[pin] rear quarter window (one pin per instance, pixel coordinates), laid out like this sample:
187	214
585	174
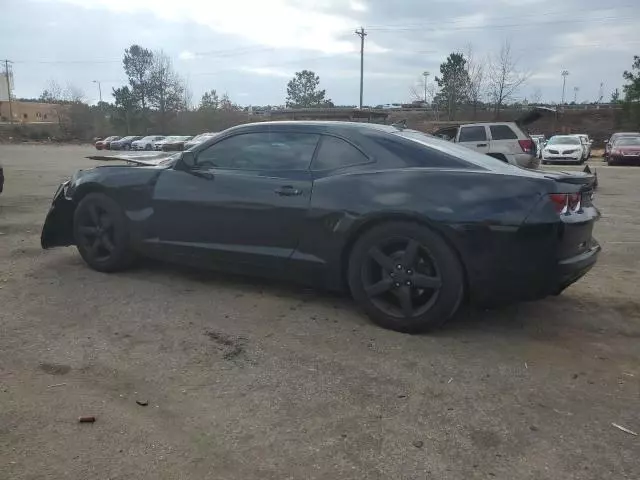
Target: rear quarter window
472	134
337	153
409	153
502	132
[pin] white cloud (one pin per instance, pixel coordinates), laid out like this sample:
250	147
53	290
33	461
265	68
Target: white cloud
187	55
275	23
358	6
267	71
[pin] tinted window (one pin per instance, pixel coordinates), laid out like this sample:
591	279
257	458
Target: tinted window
336	153
502	132
261	151
408	153
472	134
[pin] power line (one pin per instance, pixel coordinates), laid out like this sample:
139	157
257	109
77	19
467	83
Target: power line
7	73
504	25
510	17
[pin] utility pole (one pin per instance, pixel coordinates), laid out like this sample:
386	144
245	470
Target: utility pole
565	73
600	92
361	33
99	89
575	94
7	73
426	76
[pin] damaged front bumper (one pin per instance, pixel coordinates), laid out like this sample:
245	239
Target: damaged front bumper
57	230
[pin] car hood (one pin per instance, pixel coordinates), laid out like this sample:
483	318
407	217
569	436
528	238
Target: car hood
628	148
147	158
534	115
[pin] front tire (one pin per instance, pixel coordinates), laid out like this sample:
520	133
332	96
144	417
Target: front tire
405	277
101	233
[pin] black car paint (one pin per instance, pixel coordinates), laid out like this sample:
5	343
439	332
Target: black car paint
498	219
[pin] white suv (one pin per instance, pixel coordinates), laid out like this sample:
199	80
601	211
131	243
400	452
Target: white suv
505	141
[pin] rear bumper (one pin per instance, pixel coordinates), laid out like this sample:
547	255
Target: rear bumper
573	269
526	160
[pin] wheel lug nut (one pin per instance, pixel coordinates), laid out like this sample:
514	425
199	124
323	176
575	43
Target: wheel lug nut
399	267
408	284
393	275
409	272
397	285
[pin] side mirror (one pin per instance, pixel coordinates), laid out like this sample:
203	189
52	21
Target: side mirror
188	159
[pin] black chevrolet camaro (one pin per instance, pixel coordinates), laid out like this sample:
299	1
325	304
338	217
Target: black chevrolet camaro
411	225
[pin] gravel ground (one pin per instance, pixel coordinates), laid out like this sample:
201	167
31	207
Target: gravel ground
248	379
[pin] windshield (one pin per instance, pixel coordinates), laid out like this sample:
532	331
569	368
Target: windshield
627	141
564	141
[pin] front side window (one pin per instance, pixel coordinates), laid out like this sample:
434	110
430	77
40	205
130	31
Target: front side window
472	134
261	151
336	153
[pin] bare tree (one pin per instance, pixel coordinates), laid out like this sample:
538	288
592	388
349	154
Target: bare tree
536	97
52	93
166	92
417	91
505	78
74	94
477	82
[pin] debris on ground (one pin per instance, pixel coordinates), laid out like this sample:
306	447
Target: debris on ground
142	403
87	419
418	443
56	385
626	430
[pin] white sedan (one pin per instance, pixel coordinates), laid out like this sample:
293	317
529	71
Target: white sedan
563	148
146	143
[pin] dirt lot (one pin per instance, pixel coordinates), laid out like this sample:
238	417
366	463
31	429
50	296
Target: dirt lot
247	379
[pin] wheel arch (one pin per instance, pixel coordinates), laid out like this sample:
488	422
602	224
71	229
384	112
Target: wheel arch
368	224
499	156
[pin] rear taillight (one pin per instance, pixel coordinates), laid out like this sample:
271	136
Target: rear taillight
527	145
566	203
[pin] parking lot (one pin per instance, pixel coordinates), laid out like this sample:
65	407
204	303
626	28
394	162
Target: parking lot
249	379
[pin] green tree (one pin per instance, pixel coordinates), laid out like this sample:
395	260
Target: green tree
303	91
453	82
209	101
632	89
126	107
615	96
138	65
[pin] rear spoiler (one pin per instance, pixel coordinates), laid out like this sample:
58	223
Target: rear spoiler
587	178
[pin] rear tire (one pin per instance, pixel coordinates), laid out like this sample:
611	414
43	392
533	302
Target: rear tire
101	233
405	277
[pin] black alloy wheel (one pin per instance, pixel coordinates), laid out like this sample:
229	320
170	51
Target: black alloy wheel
406	277
101	233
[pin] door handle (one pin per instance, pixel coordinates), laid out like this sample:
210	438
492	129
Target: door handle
481	145
288	191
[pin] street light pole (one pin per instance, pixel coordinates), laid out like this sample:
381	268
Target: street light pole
575	94
426	76
99	89
565	73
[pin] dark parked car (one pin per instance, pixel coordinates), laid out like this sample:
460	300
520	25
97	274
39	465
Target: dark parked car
608	143
625	150
124	143
106	142
411	225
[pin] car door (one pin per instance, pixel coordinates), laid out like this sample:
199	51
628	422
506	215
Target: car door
474	137
242	205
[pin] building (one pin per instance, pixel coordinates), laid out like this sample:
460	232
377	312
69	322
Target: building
29	112
4	86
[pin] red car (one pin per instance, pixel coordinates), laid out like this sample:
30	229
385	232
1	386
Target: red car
105	143
625	150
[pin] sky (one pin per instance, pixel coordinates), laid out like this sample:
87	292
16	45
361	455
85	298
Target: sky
250	49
